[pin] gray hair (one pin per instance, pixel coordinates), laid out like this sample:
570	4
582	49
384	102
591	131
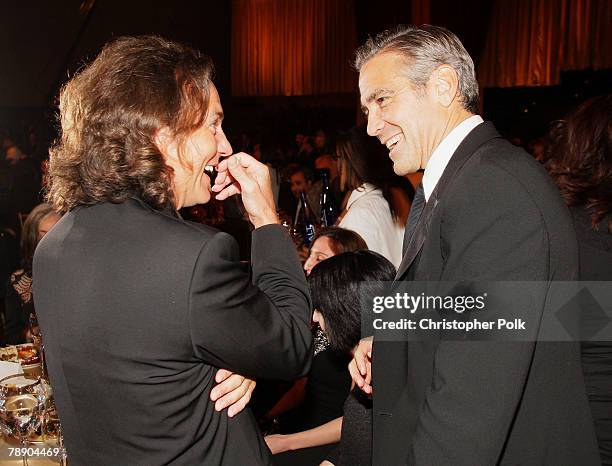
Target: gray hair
426	47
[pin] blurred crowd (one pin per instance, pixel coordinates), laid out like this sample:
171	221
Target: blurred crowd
372	207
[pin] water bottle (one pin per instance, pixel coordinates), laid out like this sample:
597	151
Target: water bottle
305	224
329	211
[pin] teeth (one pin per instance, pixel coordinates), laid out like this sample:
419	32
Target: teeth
392	141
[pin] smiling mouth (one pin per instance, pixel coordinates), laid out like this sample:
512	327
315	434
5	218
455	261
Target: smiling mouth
392	142
211	172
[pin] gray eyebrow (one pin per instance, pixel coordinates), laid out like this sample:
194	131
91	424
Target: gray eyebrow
376	93
373	96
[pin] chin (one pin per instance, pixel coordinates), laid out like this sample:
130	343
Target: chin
402	165
202	198
401	169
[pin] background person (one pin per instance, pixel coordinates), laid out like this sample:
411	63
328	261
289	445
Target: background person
273	399
339	286
579	158
366	176
18	302
330	242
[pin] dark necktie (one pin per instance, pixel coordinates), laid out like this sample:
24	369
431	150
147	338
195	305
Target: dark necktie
418	203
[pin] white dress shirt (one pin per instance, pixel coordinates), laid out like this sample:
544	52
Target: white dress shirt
368	213
442	154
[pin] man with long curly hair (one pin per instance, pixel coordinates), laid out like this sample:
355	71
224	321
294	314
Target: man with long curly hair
139	308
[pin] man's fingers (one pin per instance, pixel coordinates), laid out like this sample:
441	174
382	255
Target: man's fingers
231	397
221	181
221	375
360	367
238	406
368	377
355	374
229	191
226	387
360	360
245	160
247	184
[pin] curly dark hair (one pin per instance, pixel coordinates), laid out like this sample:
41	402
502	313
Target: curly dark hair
579	158
110	113
340	286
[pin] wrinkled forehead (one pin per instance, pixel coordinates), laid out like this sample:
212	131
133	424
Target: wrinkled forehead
214	102
383	72
324	244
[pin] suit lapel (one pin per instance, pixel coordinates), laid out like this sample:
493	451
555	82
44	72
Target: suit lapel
477	137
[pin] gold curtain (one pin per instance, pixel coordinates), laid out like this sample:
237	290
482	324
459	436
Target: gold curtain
292	47
530	42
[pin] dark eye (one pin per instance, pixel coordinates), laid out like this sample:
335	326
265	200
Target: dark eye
381	100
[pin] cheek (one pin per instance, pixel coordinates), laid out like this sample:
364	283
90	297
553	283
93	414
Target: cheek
203	149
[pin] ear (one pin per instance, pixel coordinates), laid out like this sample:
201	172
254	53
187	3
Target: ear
166	143
445	85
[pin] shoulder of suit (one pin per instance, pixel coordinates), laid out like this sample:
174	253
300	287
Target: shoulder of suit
501	157
498	168
503	153
151	219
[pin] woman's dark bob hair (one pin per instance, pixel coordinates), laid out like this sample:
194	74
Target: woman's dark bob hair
110	113
340	285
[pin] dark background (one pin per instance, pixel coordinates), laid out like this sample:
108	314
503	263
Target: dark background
42	43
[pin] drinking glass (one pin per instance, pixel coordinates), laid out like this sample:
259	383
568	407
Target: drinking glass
52	430
22	405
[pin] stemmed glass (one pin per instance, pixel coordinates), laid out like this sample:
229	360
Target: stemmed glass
52	430
22	405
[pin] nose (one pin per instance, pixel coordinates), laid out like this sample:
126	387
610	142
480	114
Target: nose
308	265
375	122
224	148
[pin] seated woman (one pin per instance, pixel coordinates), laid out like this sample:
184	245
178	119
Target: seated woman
327	243
272	399
337	286
330	242
18	301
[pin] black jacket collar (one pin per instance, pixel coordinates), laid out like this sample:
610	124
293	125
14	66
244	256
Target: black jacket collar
477	137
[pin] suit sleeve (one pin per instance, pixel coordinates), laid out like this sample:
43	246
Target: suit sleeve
256	325
491	230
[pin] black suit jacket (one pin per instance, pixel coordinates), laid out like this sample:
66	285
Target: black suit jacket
494	216
139	308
